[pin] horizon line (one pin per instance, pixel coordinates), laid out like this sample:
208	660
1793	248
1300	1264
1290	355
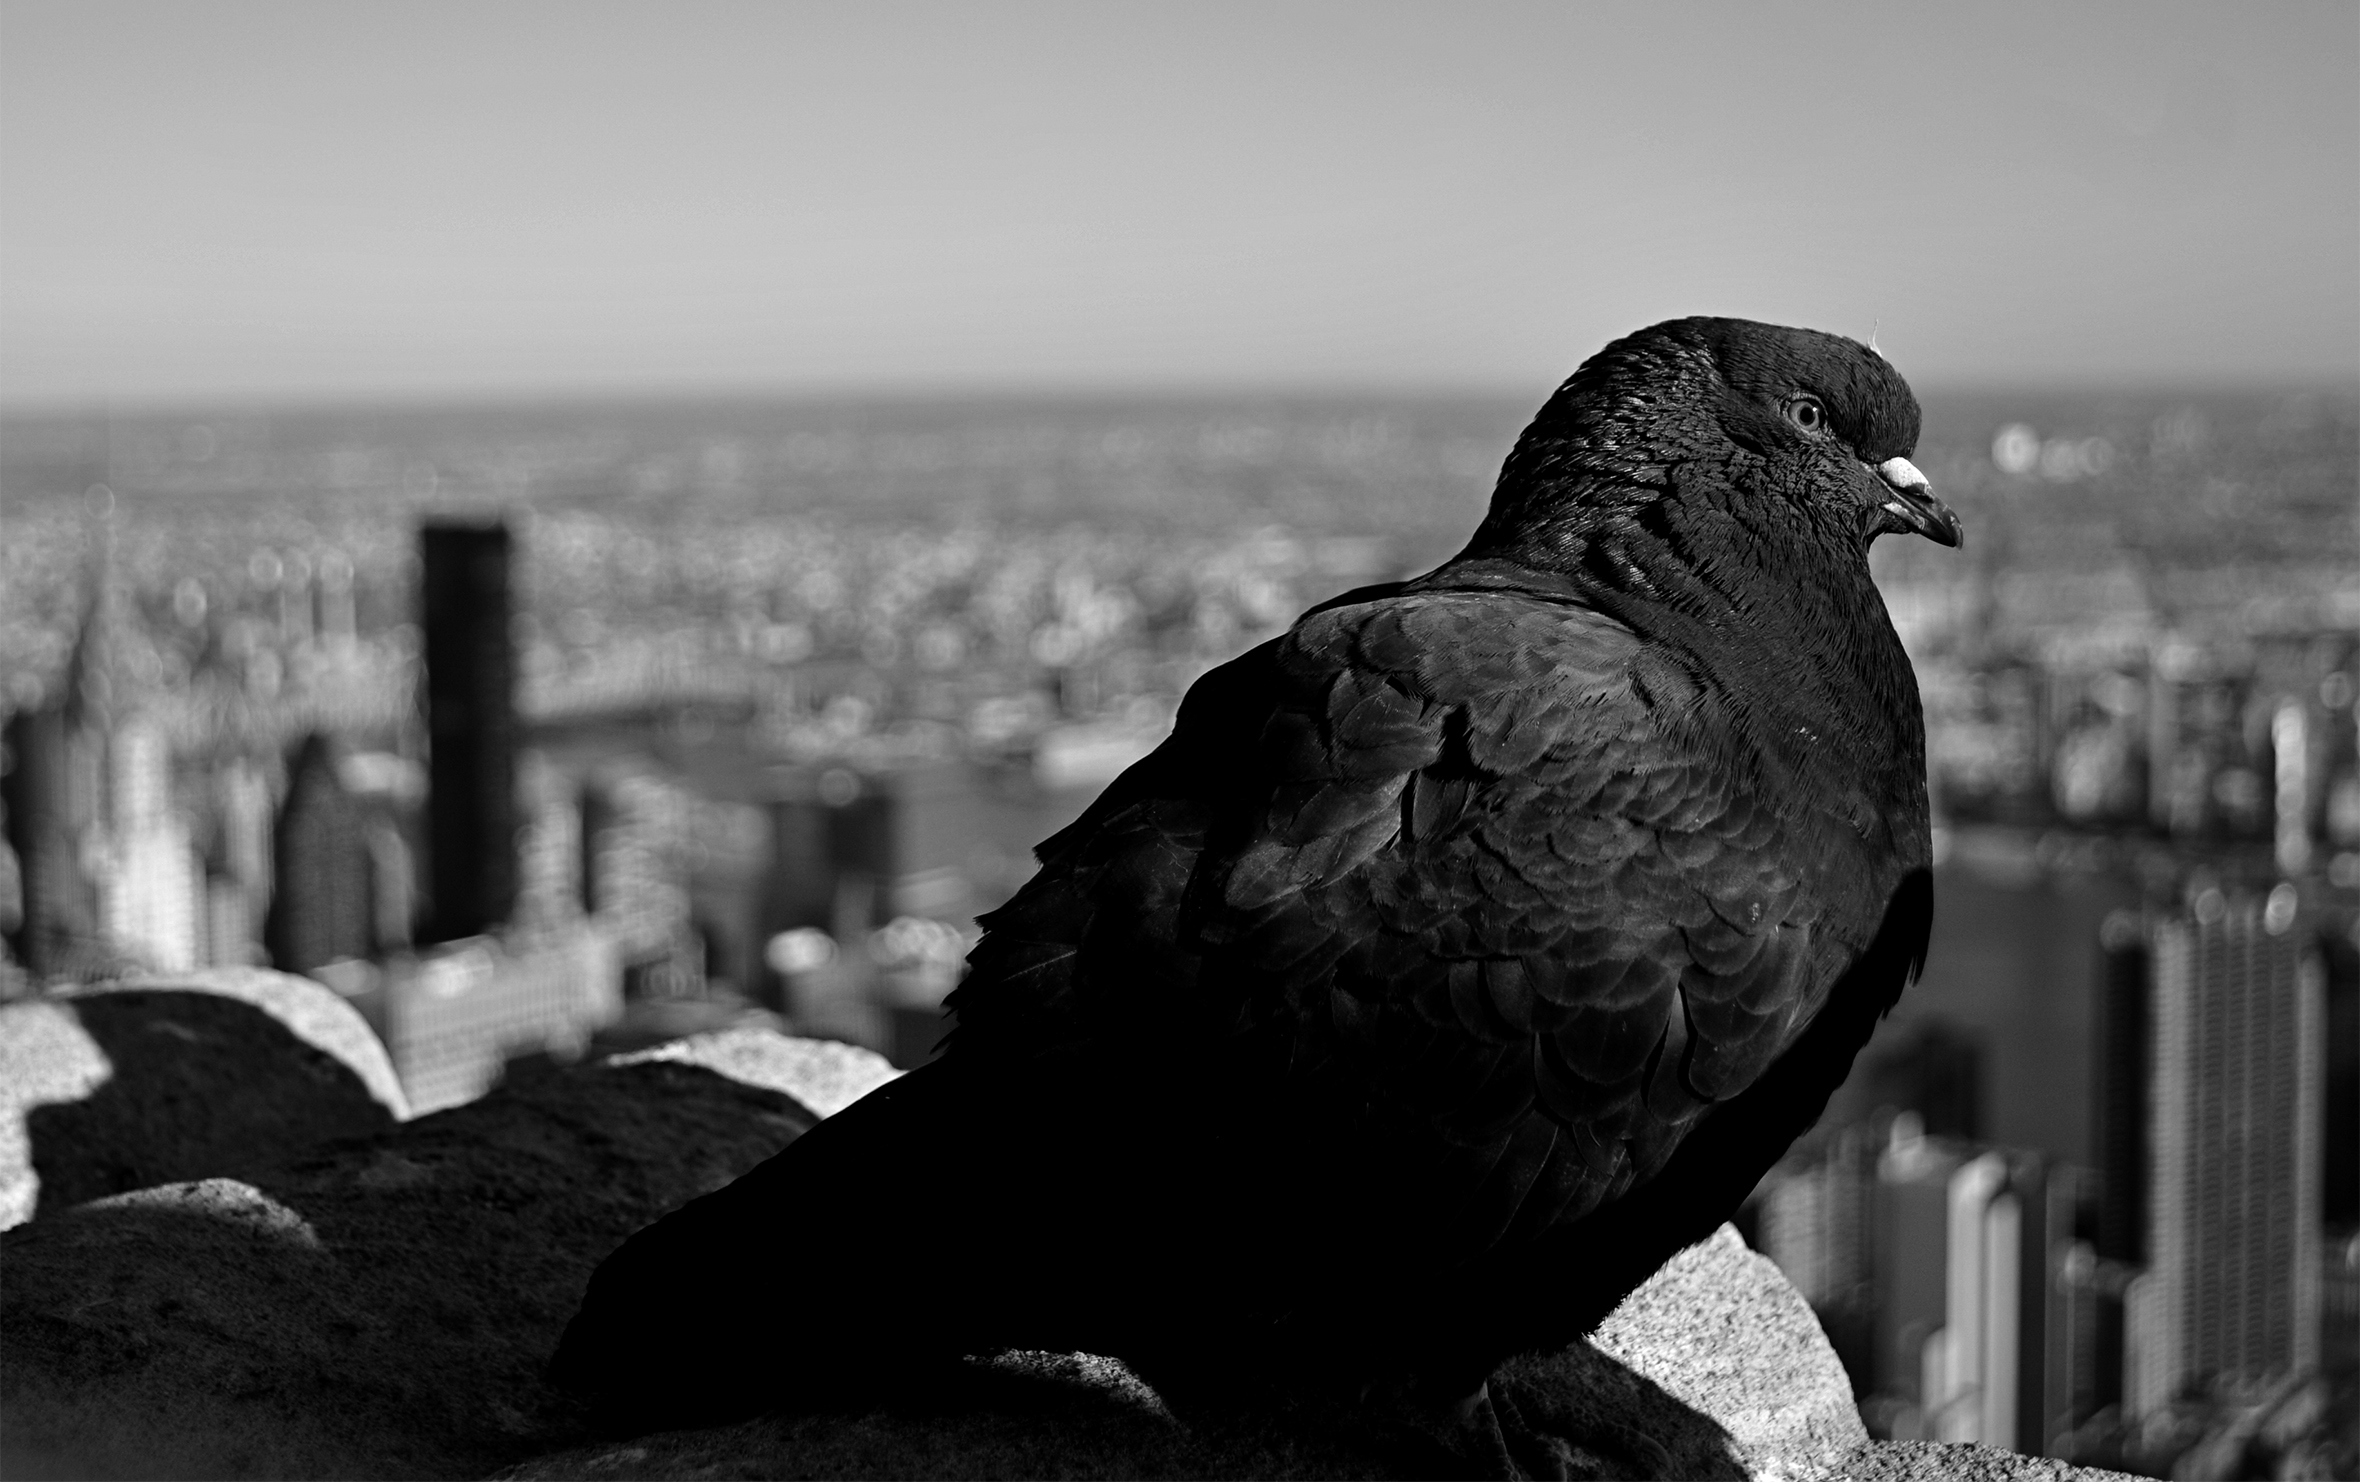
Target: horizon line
914	393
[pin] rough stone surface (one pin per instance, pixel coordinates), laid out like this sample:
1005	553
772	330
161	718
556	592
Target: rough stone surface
1713	1369
119	1085
1935	1461
313	1012
45	1060
193	1331
823	1074
383	1306
225	1202
1721	1330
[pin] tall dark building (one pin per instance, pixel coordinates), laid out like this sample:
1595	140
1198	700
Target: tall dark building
325	905
2120	1080
57	795
598	816
60	907
472	816
2119	1130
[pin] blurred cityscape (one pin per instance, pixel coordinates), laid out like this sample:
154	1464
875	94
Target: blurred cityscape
538	729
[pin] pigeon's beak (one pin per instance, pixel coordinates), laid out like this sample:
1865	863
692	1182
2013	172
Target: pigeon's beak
1914	505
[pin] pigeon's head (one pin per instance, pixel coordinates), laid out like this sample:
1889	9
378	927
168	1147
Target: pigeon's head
1790	432
1798	398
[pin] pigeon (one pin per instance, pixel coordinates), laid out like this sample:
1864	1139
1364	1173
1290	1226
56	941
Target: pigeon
1464	953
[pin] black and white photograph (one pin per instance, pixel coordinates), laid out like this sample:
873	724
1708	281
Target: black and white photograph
1298	740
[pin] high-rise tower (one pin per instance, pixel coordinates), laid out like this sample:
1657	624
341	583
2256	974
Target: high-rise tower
2234	1069
471	724
323	909
152	885
46	825
58	792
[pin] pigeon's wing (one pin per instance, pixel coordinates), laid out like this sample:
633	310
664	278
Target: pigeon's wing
1485	853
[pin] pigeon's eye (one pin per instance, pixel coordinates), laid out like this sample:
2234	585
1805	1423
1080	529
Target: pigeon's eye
1806	412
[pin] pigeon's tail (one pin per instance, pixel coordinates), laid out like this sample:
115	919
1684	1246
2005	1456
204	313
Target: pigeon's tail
933	1218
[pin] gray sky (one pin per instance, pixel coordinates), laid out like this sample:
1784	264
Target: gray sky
230	199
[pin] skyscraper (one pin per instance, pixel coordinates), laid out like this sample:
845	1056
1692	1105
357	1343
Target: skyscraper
1968	1333
2083	1374
2340	1134
1984	1371
471	725
151	889
58	796
2234	1065
549	847
325	907
1912	1264
1818	1222
45	830
2120	1121
2123	1045
238	889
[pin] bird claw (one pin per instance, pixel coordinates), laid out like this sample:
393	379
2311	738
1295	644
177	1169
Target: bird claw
1490	1434
1482	1439
1563	1450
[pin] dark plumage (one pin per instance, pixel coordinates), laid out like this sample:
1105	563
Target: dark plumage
1463	953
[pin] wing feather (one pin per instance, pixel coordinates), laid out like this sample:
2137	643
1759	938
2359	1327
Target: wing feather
1483	851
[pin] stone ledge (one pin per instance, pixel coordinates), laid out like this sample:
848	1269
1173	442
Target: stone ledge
117	1085
382	1304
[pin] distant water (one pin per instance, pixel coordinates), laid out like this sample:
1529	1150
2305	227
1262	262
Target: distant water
2012	968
